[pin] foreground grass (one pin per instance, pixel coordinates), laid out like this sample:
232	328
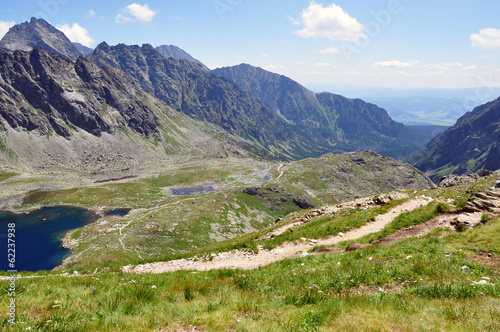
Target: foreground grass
416	284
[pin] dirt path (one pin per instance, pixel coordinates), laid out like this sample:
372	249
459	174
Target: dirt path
247	261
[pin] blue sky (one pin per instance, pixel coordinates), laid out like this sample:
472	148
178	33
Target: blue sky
381	43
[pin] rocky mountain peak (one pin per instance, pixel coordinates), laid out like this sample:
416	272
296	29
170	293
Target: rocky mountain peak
38	32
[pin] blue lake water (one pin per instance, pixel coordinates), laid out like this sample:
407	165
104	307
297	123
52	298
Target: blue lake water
38	236
118	212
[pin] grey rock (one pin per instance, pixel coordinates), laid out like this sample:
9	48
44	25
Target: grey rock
455	180
44	92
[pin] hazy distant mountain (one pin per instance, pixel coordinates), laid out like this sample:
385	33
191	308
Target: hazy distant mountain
171	51
346	124
425	133
471	145
189	88
38	32
83	49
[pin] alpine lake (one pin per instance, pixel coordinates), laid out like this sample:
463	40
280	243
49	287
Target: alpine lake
35	237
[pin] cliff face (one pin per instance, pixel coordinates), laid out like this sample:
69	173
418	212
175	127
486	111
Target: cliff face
39	32
44	92
471	145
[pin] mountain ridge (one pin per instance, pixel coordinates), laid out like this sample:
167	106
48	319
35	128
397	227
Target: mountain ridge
346	124
471	145
172	51
188	88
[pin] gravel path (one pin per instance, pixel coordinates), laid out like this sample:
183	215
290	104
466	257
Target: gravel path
244	260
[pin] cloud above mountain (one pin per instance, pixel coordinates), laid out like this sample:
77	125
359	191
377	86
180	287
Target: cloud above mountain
136	13
330	22
76	33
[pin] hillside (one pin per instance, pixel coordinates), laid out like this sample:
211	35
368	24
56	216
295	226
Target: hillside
345	124
84	50
471	145
405	260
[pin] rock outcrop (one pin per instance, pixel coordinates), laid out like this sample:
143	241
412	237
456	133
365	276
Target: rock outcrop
456	180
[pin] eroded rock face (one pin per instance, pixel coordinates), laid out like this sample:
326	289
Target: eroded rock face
44	92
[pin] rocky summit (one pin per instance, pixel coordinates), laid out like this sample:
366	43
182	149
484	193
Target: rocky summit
38	32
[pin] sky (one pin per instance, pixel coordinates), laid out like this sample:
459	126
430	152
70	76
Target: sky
448	44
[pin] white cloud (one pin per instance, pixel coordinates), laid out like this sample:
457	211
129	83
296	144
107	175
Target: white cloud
330	22
323	64
473	67
330	50
437	67
264	55
136	13
5	26
486	38
395	64
76	33
300	63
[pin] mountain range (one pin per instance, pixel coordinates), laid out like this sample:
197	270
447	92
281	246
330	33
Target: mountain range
188	88
171	51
